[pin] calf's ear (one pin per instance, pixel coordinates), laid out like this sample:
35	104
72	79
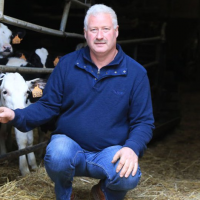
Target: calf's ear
38	82
1	78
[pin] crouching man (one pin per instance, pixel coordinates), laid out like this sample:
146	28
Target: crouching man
102	102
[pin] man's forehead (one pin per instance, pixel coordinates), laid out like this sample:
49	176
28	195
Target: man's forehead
100	19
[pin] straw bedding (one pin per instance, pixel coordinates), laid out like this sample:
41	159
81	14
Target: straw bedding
170	167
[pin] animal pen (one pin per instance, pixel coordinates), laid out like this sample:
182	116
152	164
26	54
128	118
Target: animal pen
37	185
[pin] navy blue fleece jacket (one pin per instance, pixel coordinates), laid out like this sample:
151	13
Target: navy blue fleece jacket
95	108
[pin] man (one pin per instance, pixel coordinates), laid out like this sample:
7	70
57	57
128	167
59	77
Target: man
102	101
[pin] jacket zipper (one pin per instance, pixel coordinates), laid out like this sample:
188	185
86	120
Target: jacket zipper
98	73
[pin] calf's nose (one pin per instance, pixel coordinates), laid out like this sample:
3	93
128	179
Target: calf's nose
7	48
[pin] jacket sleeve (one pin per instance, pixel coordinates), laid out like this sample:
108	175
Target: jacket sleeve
140	117
47	107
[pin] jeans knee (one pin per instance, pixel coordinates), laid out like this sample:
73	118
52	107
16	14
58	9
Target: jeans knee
124	184
57	161
60	154
58	168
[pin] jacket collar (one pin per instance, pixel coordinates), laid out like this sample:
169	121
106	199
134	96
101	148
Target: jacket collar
115	68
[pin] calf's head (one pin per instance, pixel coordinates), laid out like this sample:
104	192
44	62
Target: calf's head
5	39
15	90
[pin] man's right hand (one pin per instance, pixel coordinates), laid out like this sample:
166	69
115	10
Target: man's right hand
6	114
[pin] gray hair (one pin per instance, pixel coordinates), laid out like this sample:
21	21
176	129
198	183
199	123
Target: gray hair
100	8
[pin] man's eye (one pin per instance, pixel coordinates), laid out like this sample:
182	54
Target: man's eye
106	29
94	30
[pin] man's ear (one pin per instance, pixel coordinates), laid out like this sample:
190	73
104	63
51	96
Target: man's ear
117	31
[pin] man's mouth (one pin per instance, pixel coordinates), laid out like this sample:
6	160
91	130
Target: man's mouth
99	42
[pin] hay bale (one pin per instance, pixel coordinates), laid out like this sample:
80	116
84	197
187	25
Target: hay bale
33	186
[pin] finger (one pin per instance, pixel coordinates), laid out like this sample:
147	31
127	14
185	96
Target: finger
120	165
135	169
2	114
2	120
1	109
129	170
116	157
125	168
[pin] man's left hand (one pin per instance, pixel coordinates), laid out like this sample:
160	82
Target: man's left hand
128	162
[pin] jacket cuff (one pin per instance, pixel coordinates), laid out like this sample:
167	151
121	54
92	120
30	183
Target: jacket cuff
135	147
16	119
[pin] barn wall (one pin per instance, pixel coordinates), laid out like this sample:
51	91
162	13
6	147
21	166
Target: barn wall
180	8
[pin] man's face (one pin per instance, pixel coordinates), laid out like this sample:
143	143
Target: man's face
100	34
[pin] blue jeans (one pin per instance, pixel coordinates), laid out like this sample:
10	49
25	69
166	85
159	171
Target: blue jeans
65	159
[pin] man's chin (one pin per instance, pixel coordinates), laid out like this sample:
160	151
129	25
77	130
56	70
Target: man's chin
100	49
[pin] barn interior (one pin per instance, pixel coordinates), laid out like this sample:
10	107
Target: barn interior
171	55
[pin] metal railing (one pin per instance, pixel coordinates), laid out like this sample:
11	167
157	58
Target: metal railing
42	29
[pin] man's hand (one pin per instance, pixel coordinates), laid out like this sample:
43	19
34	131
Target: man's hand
6	114
128	162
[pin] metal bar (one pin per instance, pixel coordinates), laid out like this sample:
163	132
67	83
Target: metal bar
30	70
1	8
21	152
80	3
65	16
136	41
37	28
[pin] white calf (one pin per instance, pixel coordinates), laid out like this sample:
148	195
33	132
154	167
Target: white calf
5	39
14	92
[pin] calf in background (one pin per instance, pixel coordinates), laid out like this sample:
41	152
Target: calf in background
5	41
7	38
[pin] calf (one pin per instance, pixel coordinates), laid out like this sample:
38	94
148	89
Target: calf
5	39
39	58
14	62
14	92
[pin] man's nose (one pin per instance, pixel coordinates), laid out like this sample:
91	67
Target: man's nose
99	34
